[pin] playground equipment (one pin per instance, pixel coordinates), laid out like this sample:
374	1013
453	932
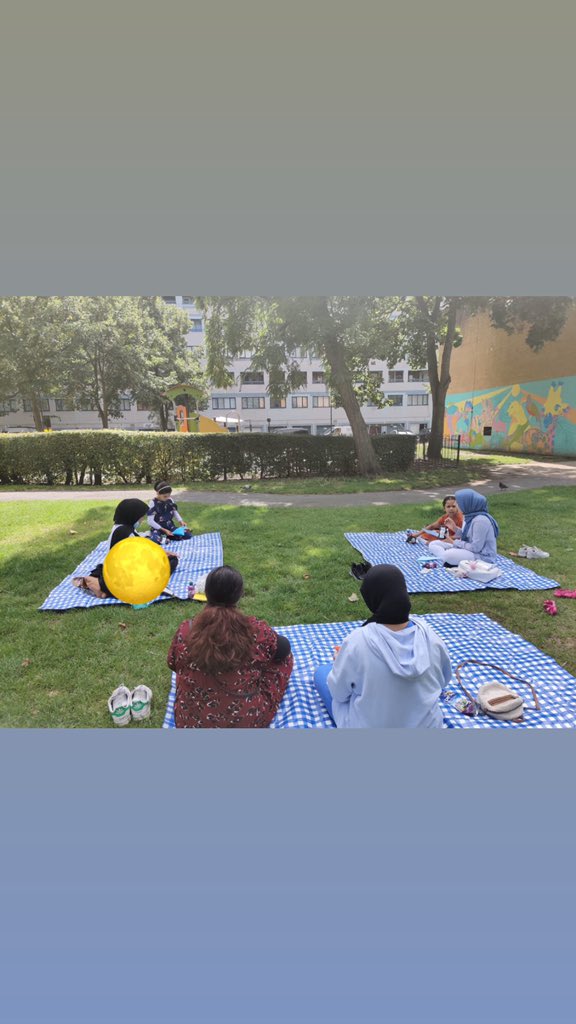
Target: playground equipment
189	420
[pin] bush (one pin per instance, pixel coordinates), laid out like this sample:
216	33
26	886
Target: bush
121	456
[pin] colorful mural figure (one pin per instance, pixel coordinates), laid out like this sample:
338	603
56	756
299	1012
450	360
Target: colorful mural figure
538	417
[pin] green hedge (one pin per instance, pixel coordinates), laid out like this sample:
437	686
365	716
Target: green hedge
130	457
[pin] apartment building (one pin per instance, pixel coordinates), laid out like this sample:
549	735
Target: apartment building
247	406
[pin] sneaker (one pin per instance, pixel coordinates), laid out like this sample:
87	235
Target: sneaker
120	705
529	552
141	700
359	570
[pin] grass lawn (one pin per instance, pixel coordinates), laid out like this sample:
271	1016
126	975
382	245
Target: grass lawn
471	467
58	669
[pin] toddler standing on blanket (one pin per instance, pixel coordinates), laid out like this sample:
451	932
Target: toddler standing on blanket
126	517
388	673
477	538
163	514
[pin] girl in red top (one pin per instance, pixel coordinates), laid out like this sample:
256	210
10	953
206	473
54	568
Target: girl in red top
231	669
452	512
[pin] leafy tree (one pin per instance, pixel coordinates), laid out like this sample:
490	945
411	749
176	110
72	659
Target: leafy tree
338	330
167	361
32	334
425	329
106	351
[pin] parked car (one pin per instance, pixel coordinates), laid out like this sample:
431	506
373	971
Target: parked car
345	431
289	430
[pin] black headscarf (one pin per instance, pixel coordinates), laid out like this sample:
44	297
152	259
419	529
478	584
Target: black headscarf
384	591
129	511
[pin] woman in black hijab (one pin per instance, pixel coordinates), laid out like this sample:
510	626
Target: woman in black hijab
390	671
126	516
385	593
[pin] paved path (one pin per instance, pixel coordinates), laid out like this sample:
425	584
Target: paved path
524	476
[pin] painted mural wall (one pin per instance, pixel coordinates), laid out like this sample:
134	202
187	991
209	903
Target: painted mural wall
538	416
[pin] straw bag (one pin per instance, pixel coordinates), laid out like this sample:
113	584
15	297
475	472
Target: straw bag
496	699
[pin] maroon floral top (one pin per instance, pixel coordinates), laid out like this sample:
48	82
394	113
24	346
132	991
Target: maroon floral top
243	698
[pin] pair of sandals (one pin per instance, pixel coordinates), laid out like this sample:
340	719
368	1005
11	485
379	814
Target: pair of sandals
125	704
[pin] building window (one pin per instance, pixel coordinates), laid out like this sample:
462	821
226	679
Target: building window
252	377
277	403
87	406
395	399
417	399
63	405
253	403
320	401
300	379
418	376
44	405
395	376
487	431
318	377
375	375
170	299
125	404
10	405
188	300
299	401
142	407
195	324
223	403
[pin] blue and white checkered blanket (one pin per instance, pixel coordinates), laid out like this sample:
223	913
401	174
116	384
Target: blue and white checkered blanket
392	549
466	636
196	558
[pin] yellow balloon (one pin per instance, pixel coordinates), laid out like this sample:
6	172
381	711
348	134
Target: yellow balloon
136	570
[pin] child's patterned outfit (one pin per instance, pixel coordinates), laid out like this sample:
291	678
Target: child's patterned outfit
164	515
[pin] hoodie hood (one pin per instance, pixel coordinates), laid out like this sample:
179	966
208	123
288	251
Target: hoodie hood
406	652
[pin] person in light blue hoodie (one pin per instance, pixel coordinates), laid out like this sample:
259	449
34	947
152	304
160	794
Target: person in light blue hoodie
390	672
476	539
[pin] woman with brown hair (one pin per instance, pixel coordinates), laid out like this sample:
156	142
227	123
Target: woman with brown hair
231	669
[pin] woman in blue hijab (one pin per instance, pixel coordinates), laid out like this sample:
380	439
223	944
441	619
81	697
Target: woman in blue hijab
477	538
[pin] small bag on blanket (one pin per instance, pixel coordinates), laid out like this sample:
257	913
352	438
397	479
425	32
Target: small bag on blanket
496	699
482	572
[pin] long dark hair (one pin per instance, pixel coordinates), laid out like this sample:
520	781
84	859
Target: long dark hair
221	637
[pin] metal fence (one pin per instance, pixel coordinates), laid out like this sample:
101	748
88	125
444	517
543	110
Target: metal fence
450	450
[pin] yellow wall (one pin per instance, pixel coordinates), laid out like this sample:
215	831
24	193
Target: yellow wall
489	358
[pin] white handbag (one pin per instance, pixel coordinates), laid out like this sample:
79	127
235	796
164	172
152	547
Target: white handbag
496	699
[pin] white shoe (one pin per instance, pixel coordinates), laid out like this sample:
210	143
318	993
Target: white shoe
529	552
141	700
120	705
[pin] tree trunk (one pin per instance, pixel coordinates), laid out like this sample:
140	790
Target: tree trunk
439	376
36	412
163	416
368	464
